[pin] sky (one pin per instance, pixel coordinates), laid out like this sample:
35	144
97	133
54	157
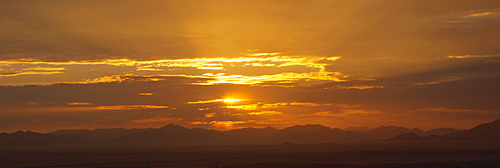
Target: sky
225	65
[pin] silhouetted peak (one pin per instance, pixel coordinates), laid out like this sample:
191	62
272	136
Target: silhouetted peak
269	128
410	136
244	129
496	122
486	131
173	127
358	129
450	128
20	132
336	129
385	132
312	126
252	128
441	131
416	130
308	127
487	127
69	131
390	127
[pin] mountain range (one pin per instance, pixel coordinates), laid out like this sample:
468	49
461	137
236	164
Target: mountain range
175	135
483	132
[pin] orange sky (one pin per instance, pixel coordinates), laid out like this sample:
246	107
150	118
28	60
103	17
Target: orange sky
248	63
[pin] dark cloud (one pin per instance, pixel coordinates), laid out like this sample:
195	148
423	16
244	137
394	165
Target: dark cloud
87	30
461	83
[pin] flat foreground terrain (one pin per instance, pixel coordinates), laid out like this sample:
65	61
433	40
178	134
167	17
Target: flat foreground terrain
321	155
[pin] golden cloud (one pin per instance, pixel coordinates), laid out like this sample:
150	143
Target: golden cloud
29	73
161	120
130	107
448	110
359	87
222	125
282	77
225	100
119	78
259	60
316	65
258	106
210	115
265	113
344	112
472	56
483	14
79	104
145	94
38	68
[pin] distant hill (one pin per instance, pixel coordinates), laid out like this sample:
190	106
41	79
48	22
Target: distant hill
358	129
316	134
384	132
30	139
251	135
172	135
178	135
406	137
441	131
482	132
98	135
175	135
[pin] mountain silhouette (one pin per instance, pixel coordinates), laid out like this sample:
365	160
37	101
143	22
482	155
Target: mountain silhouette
28	139
482	132
251	135
171	135
358	129
316	134
406	137
441	131
385	132
176	135
97	135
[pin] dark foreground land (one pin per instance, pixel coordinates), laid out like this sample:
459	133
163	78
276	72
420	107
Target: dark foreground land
370	155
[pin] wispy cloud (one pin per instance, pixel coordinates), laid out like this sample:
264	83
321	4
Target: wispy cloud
29	73
18	71
449	110
237	70
472	56
130	107
221	125
201	63
483	14
224	100
265	113
146	94
358	87
266	106
79	104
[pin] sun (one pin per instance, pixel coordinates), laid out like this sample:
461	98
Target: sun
230	100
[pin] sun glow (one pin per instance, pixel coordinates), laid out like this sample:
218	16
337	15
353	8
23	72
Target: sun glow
230	100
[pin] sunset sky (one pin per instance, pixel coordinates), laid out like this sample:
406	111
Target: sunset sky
228	64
